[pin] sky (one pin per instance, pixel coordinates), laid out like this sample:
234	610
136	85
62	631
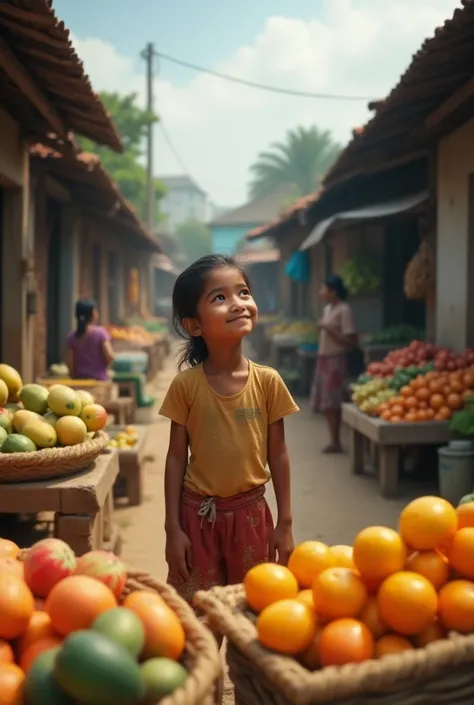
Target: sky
356	48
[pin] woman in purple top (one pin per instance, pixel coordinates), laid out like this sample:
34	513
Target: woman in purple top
89	352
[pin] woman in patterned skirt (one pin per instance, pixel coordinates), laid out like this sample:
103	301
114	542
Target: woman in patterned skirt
337	336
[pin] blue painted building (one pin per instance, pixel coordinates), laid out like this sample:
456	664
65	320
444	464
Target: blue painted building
229	229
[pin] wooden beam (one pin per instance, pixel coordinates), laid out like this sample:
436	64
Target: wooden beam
450	105
56	189
28	86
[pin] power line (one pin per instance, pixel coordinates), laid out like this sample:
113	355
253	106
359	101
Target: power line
173	149
262	86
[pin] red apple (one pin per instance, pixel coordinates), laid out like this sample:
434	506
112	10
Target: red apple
46	563
103	566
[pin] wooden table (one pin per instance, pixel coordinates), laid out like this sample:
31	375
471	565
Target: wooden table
390	438
82	504
131	464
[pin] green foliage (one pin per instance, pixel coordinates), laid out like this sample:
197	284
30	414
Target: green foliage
362	274
126	169
194	238
301	160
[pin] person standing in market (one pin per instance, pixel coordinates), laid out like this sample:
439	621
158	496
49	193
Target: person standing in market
337	336
89	351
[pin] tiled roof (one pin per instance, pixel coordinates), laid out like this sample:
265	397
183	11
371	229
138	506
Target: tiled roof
257	211
37	45
291	213
398	128
257	256
92	188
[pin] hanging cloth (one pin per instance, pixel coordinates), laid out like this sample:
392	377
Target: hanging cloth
297	267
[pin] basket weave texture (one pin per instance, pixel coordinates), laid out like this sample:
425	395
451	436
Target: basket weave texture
440	674
51	463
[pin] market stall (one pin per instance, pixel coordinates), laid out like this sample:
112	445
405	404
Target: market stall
130	444
407	399
293	347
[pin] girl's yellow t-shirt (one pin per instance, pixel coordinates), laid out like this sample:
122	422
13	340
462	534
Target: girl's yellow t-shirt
227	435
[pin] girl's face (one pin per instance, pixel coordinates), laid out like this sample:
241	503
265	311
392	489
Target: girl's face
226	309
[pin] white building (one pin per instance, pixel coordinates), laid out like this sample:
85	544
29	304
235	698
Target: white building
184	200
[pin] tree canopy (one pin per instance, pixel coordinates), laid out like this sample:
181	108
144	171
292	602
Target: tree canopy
194	238
126	169
301	159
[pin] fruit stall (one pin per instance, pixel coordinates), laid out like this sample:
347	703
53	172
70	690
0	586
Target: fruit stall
407	399
130	443
293	348
52	460
86	629
386	620
149	337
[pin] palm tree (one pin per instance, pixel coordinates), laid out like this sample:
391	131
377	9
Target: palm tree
302	160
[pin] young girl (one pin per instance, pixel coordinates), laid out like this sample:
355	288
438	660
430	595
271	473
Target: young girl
89	352
228	411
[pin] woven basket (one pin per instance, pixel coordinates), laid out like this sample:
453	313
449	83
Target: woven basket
51	463
440	674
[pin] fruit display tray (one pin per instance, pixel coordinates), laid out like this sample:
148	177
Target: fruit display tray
439	674
51	463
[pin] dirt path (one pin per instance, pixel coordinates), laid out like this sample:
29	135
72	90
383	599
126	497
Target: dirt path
329	503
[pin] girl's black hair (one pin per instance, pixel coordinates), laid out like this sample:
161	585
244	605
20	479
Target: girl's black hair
187	291
336	284
84	313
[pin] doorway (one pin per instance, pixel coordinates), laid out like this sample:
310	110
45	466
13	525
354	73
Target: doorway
53	311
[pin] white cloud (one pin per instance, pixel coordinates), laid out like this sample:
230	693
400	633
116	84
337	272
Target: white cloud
218	128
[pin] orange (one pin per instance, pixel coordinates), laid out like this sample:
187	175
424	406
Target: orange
11	684
391	644
405	391
423	394
461	552
339	592
444	414
407	602
456	606
343	556
345	641
142	598
306	597
432	565
35	649
433	632
287	626
395	418
411	402
6	653
39	627
267	583
428	523
164	633
398	410
12	564
465	514
8	549
308	560
454	401
75	602
370	616
436	401
378	552
310	657
16	605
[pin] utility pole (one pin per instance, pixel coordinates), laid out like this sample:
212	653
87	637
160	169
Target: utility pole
149	54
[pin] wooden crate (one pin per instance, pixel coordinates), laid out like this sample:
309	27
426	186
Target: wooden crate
131	464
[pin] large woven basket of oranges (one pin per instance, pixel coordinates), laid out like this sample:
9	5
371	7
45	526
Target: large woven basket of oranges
389	620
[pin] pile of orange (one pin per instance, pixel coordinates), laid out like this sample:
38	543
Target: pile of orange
391	591
434	396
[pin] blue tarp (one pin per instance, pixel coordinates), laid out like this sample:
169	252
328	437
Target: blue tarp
297	267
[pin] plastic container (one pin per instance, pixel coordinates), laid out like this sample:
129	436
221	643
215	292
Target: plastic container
131	362
456	470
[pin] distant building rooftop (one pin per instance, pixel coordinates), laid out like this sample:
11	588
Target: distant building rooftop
180	182
259	210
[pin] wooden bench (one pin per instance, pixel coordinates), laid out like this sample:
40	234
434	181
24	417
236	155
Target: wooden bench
131	464
123	408
82	504
390	439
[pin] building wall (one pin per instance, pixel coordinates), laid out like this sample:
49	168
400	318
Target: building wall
455	238
182	204
11	152
226	238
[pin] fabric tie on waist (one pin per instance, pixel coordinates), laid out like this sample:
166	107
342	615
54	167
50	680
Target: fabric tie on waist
209	507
